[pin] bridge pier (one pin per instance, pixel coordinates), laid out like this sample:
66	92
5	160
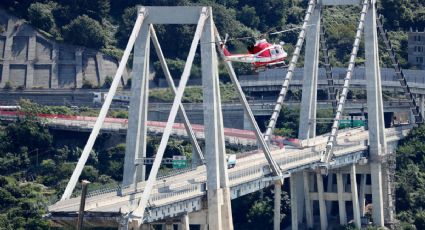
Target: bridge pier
341	202
377	140
277	204
297	198
219	205
322	204
362	198
308	204
355	197
167	226
184	225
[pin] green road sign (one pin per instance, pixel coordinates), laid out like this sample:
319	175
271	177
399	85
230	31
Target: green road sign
179	162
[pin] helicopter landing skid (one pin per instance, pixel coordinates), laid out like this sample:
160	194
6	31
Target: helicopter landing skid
277	65
281	64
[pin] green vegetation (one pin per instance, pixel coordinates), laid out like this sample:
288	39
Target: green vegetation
410	180
288	122
106	25
192	94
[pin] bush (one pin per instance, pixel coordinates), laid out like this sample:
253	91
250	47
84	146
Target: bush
8	85
107	83
85	31
88	85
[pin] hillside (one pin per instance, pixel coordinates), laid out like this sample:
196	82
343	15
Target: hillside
106	24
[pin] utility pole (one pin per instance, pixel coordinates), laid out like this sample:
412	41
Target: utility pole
84	184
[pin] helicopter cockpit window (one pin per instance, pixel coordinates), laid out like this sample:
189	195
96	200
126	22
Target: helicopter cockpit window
273	51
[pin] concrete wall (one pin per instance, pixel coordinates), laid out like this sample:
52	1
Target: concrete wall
29	60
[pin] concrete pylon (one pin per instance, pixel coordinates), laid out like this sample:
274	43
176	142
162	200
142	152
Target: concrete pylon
355	197
219	205
322	203
341	201
137	130
277	204
307	128
377	142
308	203
297	198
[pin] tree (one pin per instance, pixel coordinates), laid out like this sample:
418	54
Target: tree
248	16
40	15
420	220
85	31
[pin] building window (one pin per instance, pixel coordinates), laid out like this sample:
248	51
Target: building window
419	60
419	49
417	38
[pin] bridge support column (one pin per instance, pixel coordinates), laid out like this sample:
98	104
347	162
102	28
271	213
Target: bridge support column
377	198
341	201
307	127
294	205
329	189
219	205
184	225
277	204
362	199
377	141
167	226
297	199
137	129
355	197
322	203
308	204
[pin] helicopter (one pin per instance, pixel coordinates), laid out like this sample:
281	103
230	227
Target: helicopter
261	55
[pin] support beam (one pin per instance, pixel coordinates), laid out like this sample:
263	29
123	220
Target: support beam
199	158
277	204
322	204
308	203
341	201
104	110
355	197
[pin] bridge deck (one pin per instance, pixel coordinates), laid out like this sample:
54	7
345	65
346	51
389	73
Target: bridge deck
184	192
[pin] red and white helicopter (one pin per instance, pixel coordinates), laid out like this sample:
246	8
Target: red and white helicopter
262	55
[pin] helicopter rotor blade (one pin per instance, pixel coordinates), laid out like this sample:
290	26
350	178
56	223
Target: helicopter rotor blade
288	30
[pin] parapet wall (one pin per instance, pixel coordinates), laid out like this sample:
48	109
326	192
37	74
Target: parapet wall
29	60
